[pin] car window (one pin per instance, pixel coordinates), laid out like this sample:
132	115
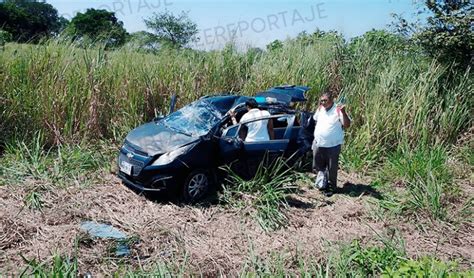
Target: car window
281	122
232	132
195	119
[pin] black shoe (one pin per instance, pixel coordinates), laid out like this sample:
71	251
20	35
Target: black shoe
328	192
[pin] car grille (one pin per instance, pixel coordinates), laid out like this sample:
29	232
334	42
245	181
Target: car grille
131	149
137	165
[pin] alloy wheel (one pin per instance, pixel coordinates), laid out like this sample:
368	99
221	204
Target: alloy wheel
197	185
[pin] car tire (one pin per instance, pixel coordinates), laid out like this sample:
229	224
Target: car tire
197	185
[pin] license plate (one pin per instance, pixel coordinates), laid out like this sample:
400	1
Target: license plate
126	167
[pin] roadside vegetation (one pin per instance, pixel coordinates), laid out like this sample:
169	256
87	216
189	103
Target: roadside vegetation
266	192
66	105
353	259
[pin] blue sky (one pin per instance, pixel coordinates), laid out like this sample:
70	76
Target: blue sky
254	22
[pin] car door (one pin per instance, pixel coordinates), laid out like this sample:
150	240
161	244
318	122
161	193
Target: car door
230	144
268	151
249	155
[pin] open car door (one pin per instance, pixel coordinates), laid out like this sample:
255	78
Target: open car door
249	155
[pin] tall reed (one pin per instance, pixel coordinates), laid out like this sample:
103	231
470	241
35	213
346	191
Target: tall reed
70	93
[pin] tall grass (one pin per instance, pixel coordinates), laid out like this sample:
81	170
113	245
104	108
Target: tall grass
266	192
424	176
68	92
396	96
400	99
58	166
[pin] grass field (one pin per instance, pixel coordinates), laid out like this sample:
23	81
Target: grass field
65	110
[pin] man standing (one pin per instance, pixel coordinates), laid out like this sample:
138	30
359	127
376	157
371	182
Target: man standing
331	120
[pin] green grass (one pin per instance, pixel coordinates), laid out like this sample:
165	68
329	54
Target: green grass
357	260
161	270
39	168
426	267
266	192
418	182
59	266
61	165
394	96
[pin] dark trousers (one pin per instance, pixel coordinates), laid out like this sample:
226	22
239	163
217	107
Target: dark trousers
327	159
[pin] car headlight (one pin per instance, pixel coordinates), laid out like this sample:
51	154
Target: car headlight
168	157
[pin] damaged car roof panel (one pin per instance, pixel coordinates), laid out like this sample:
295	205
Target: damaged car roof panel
286	94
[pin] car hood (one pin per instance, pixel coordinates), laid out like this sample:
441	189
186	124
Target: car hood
155	138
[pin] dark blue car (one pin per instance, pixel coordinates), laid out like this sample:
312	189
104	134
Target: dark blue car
181	153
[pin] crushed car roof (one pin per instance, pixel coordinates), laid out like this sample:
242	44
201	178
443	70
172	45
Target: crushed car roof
225	103
282	95
286	93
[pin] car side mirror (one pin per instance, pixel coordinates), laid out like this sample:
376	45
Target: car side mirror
158	118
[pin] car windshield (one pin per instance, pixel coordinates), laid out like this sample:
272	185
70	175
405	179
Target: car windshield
195	119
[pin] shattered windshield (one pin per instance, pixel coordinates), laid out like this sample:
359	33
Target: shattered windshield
195	119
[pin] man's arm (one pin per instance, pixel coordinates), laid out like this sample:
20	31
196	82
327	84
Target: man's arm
346	121
270	129
232	116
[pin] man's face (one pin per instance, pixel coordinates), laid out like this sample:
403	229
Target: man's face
325	101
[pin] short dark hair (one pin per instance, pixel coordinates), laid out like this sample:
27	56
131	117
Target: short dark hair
252	103
328	93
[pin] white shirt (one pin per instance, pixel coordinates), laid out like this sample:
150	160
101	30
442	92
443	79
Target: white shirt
328	131
258	130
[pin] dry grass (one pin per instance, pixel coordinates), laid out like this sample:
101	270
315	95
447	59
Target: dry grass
208	241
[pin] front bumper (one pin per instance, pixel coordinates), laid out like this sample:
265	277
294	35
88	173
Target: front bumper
159	183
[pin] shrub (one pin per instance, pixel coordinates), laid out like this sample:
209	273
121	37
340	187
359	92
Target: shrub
4	37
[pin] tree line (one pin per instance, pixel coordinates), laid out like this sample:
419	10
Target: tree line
30	22
445	33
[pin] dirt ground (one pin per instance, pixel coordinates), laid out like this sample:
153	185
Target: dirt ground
214	239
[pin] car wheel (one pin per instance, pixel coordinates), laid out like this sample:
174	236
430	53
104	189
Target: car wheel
196	186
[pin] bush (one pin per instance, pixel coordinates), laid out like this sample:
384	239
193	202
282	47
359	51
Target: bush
30	21
426	267
4	37
378	40
368	261
446	33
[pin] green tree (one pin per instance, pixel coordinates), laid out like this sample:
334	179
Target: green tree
29	21
143	40
448	34
175	30
97	26
378	40
274	45
317	36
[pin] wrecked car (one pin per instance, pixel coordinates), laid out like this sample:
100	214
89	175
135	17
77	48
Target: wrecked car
182	152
